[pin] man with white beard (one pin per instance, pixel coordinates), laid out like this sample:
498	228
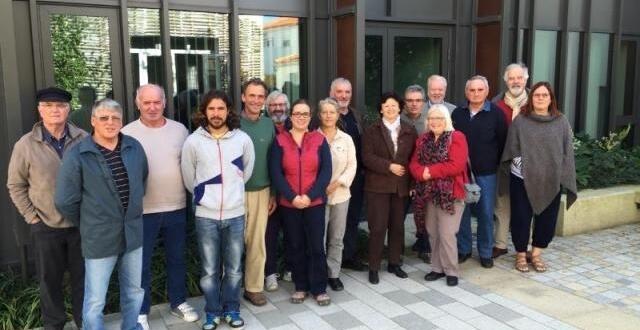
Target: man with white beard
510	102
277	104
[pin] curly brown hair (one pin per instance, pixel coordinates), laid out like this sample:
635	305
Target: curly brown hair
200	117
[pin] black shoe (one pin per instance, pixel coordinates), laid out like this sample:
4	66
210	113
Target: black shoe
498	252
354	264
425	256
395	269
335	284
433	276
373	277
486	262
420	245
452	280
463	257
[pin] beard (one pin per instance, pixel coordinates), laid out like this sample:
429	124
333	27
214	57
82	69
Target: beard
516	90
217	122
343	104
279	118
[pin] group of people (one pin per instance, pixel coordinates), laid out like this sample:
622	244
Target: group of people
100	200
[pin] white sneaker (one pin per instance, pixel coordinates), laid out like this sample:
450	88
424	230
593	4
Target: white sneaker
185	312
142	320
271	283
287	276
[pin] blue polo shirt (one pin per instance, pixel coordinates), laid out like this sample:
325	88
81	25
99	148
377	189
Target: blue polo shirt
57	144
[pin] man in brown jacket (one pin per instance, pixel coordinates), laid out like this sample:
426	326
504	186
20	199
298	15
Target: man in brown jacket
31	182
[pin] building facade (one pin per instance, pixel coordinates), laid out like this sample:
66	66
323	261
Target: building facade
587	49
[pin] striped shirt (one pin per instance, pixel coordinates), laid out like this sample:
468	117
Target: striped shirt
118	172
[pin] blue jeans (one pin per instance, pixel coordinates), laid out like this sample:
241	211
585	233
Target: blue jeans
483	210
96	282
172	226
221	244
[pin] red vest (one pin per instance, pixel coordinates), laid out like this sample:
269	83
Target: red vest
300	165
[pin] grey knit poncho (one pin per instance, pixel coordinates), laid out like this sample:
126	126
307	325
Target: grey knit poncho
545	145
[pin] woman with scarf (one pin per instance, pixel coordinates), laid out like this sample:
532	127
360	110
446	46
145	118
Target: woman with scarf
387	146
439	166
539	150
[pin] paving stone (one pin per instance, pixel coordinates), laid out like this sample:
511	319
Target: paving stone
272	319
426	311
402	298
452	323
525	323
435	298
413	322
499	312
310	320
485	322
342	320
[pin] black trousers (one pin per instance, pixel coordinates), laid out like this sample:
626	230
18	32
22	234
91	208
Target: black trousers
354	214
544	226
56	251
271	237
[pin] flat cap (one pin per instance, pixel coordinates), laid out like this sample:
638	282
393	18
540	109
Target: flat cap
53	94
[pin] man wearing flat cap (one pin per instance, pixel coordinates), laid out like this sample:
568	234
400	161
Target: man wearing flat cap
31	182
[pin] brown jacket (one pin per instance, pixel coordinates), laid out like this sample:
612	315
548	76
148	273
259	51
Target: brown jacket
377	155
31	178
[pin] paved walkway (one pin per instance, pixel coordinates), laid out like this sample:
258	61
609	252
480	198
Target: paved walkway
593	282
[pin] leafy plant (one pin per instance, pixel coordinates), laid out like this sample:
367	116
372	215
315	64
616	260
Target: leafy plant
606	161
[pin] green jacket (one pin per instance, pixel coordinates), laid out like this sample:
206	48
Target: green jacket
86	194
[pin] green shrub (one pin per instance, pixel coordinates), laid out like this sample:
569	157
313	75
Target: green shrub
606	161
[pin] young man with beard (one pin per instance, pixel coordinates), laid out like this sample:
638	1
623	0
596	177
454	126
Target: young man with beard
217	161
510	102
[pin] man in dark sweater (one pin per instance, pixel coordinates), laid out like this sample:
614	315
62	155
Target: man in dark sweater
484	126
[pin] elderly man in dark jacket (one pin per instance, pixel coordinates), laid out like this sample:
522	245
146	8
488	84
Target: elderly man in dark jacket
100	187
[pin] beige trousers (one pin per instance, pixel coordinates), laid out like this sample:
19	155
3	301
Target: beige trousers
502	212
442	228
257	214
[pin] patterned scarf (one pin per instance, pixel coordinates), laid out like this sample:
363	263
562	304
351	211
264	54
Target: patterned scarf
515	102
440	191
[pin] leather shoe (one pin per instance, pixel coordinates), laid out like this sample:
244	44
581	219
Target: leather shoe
498	252
425	256
354	264
463	257
486	262
452	280
373	277
395	269
433	276
335	284
256	298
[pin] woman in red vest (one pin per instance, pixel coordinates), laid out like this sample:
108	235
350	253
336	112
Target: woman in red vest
300	168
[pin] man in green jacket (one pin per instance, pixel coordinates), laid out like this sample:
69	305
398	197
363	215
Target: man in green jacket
31	182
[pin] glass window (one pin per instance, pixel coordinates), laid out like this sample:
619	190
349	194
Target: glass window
597	104
200	58
270	49
544	56
625	74
373	75
414	60
571	82
145	46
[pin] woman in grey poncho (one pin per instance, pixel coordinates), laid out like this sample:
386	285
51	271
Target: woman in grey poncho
540	152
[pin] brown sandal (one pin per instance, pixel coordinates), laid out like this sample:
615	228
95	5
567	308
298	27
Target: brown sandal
537	264
521	263
298	297
323	299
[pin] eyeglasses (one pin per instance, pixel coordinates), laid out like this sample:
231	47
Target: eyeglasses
104	119
301	114
51	105
541	95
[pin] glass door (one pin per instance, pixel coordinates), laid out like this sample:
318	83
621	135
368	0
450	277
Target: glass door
81	52
399	56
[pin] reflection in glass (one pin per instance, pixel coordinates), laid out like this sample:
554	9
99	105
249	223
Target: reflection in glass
624	83
597	105
571	81
145	46
544	56
81	59
373	75
415	59
270	49
199	57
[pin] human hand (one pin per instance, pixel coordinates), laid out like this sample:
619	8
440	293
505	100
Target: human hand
272	204
397	169
426	175
331	188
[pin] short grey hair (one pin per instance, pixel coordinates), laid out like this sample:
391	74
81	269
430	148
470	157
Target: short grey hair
328	101
157	87
415	89
274	95
108	105
436	77
339	81
518	65
477	77
444	112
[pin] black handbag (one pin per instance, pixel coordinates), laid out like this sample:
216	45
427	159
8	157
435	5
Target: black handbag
472	191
